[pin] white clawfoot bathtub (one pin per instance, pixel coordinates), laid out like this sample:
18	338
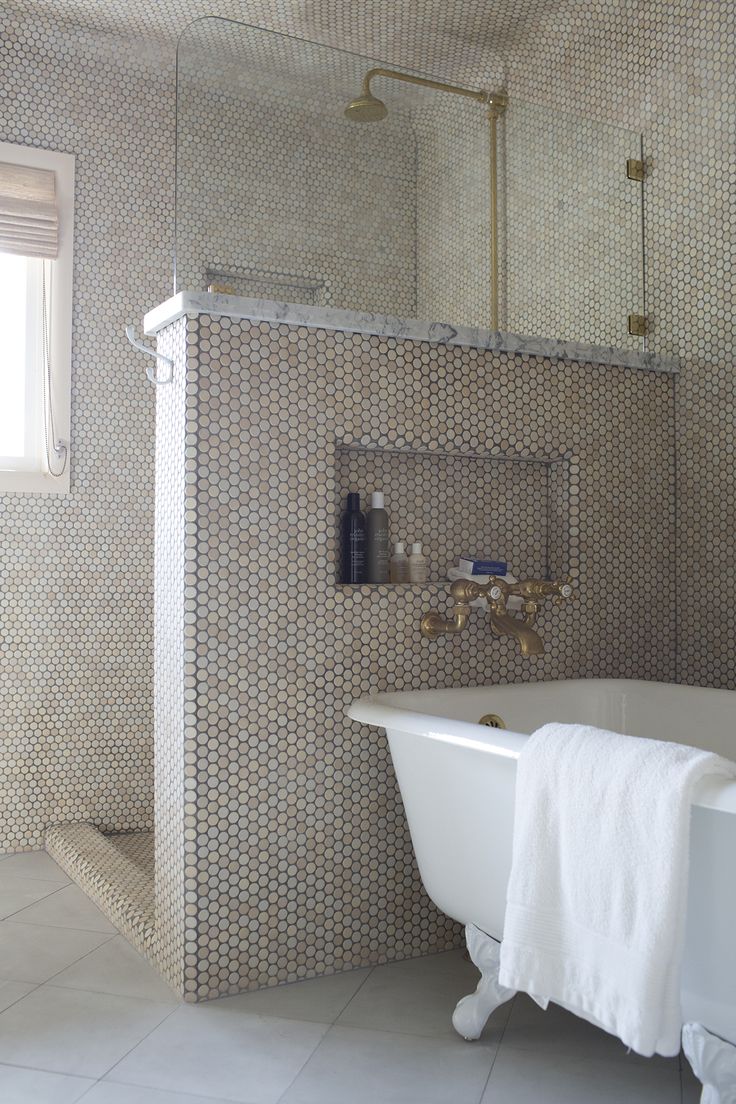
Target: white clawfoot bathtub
457	782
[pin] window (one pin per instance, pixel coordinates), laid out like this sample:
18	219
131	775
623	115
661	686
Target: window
36	235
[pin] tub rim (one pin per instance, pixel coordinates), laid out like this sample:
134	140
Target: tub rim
713	792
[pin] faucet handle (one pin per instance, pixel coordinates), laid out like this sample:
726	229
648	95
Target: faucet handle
565	591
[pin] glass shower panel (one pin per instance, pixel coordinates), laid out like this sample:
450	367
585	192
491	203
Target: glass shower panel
573	250
279	196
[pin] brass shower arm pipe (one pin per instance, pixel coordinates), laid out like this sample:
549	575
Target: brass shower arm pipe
425	82
493	116
496	102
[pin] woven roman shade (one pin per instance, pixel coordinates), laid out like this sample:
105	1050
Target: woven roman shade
29	218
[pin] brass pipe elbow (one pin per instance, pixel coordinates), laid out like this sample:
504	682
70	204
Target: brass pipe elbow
433	625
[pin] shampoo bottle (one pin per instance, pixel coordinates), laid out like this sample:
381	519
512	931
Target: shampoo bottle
352	567
399	565
417	564
376	541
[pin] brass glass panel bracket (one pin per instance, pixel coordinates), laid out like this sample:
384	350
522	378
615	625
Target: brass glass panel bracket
635	170
367	108
497	593
638	325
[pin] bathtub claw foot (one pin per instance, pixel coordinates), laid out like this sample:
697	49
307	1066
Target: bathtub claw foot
713	1062
472	1012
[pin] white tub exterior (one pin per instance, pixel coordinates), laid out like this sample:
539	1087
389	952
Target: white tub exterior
457	782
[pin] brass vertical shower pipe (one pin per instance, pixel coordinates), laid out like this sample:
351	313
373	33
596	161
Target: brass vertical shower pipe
367	108
497	104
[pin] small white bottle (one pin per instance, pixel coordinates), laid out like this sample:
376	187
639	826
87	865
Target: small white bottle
399	564
417	564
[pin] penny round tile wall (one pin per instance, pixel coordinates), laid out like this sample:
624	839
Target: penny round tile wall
269	190
300	861
76	582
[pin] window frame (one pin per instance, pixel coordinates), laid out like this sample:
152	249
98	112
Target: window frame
21	480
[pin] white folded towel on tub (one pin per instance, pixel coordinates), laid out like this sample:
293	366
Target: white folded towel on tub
595	910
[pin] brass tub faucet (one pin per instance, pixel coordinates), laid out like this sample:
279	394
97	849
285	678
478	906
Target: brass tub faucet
497	593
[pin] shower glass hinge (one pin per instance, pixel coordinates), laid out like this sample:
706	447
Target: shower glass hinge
635	169
638	325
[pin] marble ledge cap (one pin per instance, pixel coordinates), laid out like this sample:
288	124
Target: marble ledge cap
384	325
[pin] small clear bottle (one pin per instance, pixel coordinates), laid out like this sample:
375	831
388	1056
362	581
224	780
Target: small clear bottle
399	565
417	564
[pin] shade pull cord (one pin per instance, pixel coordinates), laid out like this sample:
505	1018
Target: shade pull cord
51	443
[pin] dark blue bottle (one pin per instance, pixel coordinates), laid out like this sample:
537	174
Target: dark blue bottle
352	552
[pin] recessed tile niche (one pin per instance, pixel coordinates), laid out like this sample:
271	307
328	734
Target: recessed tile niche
504	506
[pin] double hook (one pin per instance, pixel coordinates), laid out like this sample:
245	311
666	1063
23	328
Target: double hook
150	370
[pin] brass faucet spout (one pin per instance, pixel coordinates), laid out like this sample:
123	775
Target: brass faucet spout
504	624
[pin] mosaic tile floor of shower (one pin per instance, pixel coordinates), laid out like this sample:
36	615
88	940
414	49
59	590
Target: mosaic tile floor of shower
115	870
84	1017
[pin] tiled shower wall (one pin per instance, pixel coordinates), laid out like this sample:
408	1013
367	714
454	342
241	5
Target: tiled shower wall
76	583
667	69
570	252
291	837
275	193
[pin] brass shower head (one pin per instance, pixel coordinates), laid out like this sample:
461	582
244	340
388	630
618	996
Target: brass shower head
366	108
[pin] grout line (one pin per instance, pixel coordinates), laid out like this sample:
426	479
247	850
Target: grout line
498	1048
82	956
104	992
73	963
138	1043
350	1000
175	1094
305	1063
12	981
30	904
43	1069
329	1028
32	877
13	919
38	984
449	1037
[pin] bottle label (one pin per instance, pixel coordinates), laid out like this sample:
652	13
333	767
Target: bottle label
356	542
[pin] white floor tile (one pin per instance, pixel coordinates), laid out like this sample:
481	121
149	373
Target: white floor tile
74	1031
106	1013
33	864
116	967
18	893
27	1086
217	1050
418	997
69	908
107	1092
319	999
353	1066
29	953
12	991
518	1075
531	1027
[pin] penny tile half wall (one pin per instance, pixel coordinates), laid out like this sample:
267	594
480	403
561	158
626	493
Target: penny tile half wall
279	828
